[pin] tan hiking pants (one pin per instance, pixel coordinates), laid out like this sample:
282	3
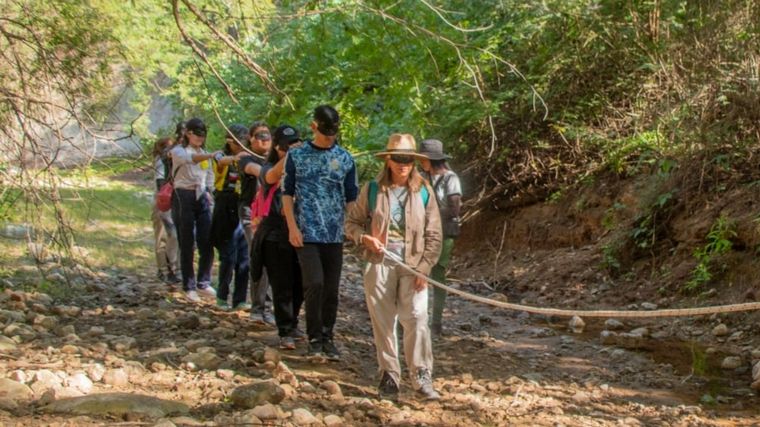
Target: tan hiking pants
390	297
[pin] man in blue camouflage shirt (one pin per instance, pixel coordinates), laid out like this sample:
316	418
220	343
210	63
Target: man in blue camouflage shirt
320	180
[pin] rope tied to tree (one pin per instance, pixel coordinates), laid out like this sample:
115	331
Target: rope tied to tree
673	312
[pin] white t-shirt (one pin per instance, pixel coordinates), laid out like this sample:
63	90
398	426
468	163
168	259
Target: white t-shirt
189	175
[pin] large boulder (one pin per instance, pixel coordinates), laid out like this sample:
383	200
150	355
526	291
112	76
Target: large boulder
118	405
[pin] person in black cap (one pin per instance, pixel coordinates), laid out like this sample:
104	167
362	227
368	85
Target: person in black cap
191	208
271	250
448	193
226	231
319	183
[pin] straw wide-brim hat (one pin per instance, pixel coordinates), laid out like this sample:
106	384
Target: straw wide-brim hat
403	144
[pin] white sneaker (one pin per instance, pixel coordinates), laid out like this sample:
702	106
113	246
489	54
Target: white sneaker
192	296
207	292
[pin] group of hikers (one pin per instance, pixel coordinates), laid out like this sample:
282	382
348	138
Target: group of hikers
277	208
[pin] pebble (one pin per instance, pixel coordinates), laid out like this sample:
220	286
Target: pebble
80	381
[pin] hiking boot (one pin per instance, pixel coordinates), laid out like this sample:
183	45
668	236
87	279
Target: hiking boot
222	304
425	385
207	292
315	348
287	343
330	350
298	334
388	387
173	279
262	319
192	296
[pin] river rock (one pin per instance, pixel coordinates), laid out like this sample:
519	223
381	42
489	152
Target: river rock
755	354
116	377
271	355
756	371
189	321
204	360
12	316
302	417
14	391
7	344
332	388
613	325
576	325
96	371
333	421
79	381
731	362
267	411
118	405
641	332
720	330
19	376
67	310
648	306
252	395
45	380
245	418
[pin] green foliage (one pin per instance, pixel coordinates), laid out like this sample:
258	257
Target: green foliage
610	260
718	243
644	232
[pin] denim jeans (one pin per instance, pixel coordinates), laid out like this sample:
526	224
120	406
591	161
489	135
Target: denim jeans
233	261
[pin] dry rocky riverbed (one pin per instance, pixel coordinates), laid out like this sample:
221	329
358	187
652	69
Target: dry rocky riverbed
127	350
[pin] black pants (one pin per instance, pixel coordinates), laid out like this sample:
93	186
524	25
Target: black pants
320	268
192	217
281	263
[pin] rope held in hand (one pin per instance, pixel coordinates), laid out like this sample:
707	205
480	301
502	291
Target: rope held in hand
673	312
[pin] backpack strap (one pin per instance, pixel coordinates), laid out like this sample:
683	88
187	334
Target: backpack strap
372	195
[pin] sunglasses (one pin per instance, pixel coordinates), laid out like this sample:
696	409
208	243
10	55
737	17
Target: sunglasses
198	132
264	136
402	159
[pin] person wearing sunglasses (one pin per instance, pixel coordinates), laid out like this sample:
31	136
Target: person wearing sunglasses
402	219
271	251
191	208
448	193
260	141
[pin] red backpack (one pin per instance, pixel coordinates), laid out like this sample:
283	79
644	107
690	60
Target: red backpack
261	205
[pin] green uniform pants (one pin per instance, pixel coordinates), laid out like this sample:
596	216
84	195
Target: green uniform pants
439	275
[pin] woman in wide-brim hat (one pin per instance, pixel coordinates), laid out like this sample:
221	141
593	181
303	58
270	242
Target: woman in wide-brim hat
448	193
403	219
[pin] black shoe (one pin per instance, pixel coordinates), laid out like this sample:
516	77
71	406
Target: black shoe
315	348
330	350
173	279
388	387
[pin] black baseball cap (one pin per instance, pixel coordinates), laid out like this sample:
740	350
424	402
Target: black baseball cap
240	132
196	126
327	119
285	135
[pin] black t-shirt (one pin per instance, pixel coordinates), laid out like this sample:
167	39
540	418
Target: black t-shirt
248	184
